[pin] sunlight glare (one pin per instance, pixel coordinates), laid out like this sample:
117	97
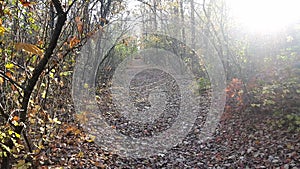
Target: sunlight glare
265	16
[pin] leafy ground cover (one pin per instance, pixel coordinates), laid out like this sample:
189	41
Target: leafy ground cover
246	137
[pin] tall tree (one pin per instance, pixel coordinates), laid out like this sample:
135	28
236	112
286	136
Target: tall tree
182	21
31	82
193	29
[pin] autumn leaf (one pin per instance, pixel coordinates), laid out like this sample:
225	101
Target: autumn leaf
79	24
55	120
73	41
82	117
13	88
40	43
8	74
80	154
1	81
90	138
2	30
25	3
9	65
15	118
29	48
72	129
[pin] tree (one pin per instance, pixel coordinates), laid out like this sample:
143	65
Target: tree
37	58
30	83
193	29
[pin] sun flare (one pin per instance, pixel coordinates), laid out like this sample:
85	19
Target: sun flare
265	16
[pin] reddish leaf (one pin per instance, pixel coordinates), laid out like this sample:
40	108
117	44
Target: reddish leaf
73	41
25	3
79	24
15	118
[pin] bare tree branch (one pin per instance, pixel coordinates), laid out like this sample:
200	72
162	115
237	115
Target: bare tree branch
148	4
71	6
62	17
2	112
58	7
17	85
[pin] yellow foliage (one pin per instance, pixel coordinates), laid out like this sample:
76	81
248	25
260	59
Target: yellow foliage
2	30
80	154
9	66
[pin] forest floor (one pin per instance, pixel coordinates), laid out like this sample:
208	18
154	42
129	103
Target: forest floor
244	140
247	138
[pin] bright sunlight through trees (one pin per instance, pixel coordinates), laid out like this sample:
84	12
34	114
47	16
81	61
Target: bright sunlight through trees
265	16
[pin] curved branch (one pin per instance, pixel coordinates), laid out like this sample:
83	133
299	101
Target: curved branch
2	112
11	80
62	17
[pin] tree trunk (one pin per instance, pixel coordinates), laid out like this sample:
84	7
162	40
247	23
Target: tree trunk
62	16
154	15
193	29
182	22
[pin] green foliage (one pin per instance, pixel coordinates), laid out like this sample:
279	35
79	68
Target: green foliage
290	122
280	97
127	47
203	84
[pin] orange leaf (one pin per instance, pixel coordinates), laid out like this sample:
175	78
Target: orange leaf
15	118
74	41
13	88
25	3
40	42
29	48
79	24
8	74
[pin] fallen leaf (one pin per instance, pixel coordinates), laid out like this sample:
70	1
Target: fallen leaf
80	154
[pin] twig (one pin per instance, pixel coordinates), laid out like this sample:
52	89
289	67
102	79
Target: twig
71	6
17	85
62	17
6	116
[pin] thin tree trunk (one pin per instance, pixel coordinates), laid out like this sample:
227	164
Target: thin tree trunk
193	29
182	22
62	16
154	15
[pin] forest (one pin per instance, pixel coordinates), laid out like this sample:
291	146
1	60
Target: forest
149	84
